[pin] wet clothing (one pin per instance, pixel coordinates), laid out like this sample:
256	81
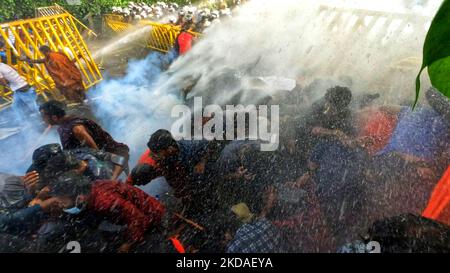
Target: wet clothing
177	171
377	125
438	207
125	204
22	220
183	42
12	192
342	120
14	80
102	138
259	236
302	225
316	117
409	233
66	76
339	186
395	187
99	165
421	133
24	101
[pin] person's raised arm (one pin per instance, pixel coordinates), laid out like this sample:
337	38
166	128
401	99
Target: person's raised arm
28	60
83	136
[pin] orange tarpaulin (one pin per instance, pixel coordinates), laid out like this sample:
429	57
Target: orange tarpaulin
439	205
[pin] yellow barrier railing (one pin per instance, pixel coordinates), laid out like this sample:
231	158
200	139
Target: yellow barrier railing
161	38
57	9
59	32
5	96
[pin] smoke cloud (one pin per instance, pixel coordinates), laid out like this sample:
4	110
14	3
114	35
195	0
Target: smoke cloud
285	38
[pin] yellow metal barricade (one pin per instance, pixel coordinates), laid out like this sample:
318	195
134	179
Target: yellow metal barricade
5	96
56	10
116	22
59	32
161	38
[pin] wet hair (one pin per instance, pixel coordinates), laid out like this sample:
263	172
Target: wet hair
186	26
53	108
58	165
42	155
339	96
161	140
44	48
70	184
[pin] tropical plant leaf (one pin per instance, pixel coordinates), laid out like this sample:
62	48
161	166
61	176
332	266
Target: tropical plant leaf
436	52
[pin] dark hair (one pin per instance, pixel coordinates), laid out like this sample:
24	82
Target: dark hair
161	140
186	26
53	108
58	165
42	155
44	48
339	96
70	184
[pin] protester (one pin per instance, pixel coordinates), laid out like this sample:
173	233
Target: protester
77	132
176	161
114	200
330	116
24	101
257	234
184	40
66	75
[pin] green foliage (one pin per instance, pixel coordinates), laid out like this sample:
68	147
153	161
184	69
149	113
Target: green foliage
436	52
22	9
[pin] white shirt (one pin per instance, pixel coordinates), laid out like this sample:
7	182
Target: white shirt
8	73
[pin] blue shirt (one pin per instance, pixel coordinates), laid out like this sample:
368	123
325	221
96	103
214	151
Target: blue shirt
21	220
421	133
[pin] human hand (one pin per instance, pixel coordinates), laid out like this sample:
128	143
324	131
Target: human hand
125	248
200	168
244	173
30	180
53	204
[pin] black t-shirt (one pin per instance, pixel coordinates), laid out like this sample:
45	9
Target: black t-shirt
102	138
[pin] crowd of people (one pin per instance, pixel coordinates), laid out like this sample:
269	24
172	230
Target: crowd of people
347	172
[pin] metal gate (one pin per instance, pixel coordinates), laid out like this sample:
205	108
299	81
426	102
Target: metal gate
161	37
60	33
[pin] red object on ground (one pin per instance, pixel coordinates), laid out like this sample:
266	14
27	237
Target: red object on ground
177	244
185	42
127	204
377	125
438	207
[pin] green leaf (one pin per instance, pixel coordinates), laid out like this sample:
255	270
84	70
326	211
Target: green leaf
436	51
439	73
